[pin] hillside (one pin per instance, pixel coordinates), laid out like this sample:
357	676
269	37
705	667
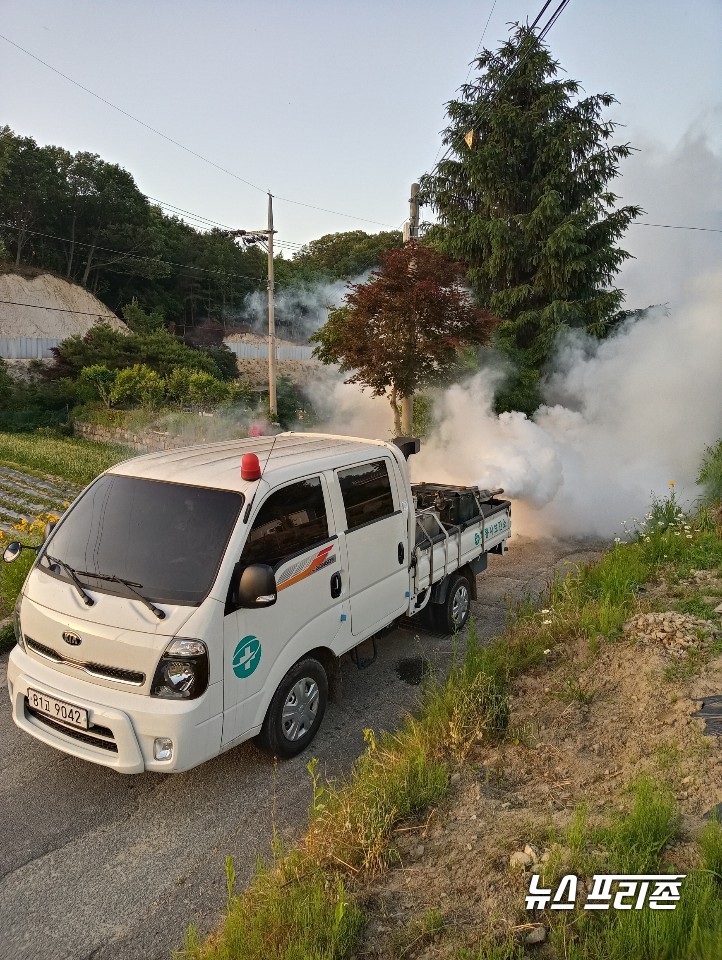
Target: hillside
47	307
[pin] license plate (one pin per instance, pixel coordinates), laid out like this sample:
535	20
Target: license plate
58	709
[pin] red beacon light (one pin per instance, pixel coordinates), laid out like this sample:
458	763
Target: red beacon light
250	467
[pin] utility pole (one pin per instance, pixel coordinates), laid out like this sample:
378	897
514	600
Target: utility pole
248	237
411	234
272	405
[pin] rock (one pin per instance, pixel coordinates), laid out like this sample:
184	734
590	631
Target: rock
520	859
418	851
544	858
537	935
455	777
531	852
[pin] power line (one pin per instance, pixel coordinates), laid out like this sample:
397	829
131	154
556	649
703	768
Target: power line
671	226
542	33
471	67
37	306
137	256
180	145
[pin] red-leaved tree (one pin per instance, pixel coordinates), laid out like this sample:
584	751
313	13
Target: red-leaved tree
403	329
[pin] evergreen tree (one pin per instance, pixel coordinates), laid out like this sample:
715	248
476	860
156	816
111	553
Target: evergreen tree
523	199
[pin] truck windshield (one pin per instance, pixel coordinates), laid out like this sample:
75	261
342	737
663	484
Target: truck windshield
168	538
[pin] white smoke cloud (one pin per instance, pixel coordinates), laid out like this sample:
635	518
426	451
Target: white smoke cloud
624	418
299	310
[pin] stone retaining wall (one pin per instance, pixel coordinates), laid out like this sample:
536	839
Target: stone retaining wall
144	441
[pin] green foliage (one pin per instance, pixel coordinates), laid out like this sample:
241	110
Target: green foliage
293	918
159	350
710	473
637	839
205	390
79	461
138	385
341	256
291	404
100	382
7	637
141	321
527	205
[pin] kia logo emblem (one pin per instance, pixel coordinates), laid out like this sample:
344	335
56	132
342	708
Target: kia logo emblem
72	638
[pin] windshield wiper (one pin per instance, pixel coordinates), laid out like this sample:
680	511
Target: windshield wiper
87	599
131	585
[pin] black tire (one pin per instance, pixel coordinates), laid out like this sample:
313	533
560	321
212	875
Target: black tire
453	614
278	735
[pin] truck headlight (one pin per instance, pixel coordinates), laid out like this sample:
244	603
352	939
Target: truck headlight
16	623
182	672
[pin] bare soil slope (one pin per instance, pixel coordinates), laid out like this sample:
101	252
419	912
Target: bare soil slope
49	297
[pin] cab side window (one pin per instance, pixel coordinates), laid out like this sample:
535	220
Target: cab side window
291	521
366	492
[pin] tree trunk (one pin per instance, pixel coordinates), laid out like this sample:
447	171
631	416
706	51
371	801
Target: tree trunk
71	254
21	243
397	412
407	415
89	263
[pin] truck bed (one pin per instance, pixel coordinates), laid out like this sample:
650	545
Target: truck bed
455	525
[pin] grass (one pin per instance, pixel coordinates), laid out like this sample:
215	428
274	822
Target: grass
78	461
286	916
642	841
7	638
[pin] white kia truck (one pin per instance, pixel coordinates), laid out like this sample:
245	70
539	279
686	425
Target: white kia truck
192	599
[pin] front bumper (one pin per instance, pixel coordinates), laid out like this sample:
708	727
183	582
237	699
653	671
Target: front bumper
123	728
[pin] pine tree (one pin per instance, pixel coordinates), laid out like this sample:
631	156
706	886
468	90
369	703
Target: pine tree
523	199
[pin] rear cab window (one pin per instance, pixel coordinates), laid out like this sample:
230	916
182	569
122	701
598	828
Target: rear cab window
291	521
367	493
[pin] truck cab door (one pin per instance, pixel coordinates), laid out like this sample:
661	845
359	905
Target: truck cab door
376	544
290	531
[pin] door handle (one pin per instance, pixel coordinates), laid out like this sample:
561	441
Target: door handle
402	553
336	585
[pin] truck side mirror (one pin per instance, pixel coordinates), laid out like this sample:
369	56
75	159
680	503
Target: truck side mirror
12	551
257	586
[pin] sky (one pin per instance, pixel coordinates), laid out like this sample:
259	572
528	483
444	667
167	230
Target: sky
339	105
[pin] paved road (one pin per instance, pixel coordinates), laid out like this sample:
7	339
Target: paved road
95	864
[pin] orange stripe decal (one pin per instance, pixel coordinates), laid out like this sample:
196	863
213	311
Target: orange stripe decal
311	568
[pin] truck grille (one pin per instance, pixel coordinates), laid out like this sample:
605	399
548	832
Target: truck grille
118	674
96	735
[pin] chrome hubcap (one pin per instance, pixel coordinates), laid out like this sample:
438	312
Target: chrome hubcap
460	604
300	708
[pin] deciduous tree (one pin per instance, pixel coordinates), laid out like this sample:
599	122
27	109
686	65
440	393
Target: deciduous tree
402	330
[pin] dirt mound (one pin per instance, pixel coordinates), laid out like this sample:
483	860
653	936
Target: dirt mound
47	307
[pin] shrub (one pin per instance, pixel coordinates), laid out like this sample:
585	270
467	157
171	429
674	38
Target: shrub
205	390
710	473
100	381
138	384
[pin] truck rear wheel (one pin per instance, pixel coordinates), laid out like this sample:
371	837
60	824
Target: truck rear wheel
296	710
455	611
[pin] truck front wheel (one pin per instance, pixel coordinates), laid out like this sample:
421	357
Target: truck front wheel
454	612
296	710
